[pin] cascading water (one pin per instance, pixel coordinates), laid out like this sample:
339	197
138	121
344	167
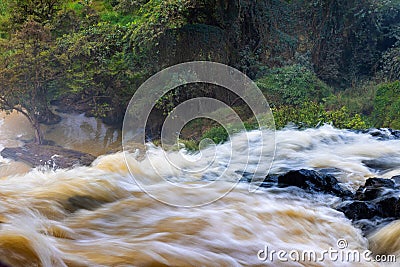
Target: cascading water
98	216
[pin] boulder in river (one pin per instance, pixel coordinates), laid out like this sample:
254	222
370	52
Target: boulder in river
383	133
356	210
42	155
374	188
374	204
313	181
389	206
396	180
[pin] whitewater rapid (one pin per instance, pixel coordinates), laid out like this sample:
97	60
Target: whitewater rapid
98	216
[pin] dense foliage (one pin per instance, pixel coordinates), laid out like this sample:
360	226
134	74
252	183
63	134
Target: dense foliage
292	85
317	61
29	67
387	105
311	114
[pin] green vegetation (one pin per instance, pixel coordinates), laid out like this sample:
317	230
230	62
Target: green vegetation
387	105
219	134
29	70
311	114
316	61
298	96
292	85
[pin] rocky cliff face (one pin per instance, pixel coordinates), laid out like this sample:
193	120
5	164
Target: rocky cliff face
340	40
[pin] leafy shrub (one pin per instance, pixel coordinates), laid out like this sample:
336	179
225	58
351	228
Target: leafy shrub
292	85
311	114
219	135
190	145
387	105
343	119
308	114
357	99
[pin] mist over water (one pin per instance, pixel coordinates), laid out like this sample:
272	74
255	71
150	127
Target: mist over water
98	216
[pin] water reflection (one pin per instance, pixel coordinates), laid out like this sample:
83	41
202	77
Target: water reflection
78	132
75	131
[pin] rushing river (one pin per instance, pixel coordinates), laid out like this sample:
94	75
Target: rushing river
40	224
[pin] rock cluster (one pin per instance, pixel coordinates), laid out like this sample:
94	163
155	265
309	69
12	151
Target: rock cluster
375	203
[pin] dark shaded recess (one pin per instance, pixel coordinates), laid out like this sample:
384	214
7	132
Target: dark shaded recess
193	42
83	103
73	103
387	39
350	40
344	38
154	124
48	117
190	91
115	116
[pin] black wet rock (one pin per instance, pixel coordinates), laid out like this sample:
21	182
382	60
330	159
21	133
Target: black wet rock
389	206
356	210
311	180
374	188
383	133
379	182
395	133
374	204
246	176
396	180
270	181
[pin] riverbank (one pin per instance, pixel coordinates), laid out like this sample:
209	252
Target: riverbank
47	155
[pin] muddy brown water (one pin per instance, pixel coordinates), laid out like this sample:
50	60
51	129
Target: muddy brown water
129	228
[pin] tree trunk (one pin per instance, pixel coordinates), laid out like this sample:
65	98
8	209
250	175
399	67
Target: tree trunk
34	121
38	133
